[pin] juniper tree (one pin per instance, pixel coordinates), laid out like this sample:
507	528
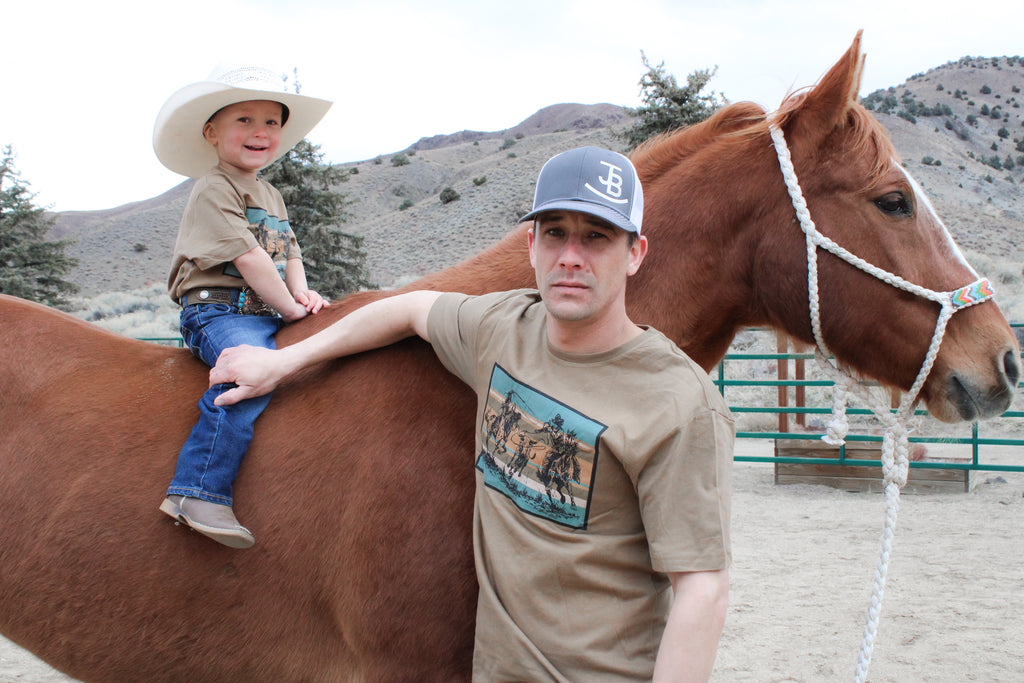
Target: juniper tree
335	261
667	105
31	267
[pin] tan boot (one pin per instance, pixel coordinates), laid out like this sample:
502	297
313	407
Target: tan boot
210	519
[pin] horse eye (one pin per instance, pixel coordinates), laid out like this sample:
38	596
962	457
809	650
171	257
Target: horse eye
895	204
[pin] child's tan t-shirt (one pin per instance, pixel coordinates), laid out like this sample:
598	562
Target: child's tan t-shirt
225	217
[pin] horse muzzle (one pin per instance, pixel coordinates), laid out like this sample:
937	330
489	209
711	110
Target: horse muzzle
965	397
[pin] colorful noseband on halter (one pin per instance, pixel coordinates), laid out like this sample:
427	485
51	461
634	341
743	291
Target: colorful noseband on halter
974	293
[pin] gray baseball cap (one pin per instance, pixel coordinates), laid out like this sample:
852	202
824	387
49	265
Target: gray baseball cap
594	181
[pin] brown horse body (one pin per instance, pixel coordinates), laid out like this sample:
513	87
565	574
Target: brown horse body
358	485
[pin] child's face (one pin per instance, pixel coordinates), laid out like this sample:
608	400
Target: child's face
246	135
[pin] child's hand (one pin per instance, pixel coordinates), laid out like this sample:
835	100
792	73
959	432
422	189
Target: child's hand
312	301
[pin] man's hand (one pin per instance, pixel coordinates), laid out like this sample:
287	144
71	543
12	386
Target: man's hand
252	368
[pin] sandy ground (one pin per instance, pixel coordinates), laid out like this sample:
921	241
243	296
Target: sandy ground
804	561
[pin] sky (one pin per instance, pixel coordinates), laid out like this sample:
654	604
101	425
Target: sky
84	80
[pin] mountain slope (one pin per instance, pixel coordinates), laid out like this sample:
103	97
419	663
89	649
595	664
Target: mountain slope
981	205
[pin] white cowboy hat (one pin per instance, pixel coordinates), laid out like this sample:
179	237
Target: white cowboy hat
178	134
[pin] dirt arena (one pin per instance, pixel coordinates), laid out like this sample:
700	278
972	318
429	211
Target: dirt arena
804	561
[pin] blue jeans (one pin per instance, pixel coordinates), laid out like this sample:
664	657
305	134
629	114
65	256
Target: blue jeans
208	462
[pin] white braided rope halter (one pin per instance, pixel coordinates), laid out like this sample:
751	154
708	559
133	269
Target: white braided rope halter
895	444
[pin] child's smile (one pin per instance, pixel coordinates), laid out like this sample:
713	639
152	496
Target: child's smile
246	135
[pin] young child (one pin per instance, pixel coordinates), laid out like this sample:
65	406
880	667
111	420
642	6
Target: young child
236	271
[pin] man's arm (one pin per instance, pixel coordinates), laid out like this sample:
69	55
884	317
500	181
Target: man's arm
690	640
257	371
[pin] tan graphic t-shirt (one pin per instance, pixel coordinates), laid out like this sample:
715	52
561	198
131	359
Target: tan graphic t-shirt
225	217
595	474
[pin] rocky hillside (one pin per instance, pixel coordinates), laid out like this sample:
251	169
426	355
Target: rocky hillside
946	125
941	122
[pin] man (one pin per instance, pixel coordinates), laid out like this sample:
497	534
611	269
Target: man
603	452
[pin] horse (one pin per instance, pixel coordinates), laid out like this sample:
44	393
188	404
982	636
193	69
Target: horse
359	482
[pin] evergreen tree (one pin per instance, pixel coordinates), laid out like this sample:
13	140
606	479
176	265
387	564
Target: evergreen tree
30	266
667	105
334	261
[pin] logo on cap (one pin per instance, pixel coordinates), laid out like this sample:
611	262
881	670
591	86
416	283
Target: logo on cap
612	183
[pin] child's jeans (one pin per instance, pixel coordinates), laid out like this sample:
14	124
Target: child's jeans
210	458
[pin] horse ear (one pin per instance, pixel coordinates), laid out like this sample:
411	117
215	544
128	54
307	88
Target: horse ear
826	105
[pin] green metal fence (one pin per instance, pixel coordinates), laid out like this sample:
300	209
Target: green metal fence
164	341
1002	431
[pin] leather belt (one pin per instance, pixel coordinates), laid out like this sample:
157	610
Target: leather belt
210	295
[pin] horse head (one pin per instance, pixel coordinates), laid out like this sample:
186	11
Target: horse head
861	199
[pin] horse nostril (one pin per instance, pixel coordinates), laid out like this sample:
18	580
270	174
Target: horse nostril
1011	365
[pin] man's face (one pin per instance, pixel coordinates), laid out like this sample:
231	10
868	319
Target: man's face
581	264
246	135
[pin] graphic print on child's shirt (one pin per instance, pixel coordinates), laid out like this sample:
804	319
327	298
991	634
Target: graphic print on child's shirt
274	237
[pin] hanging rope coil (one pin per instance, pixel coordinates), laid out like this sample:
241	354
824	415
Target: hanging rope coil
896	441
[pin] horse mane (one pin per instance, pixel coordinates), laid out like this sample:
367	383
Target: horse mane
863	134
662	152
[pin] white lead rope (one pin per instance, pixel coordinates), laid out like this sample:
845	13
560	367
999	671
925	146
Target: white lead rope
895	444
